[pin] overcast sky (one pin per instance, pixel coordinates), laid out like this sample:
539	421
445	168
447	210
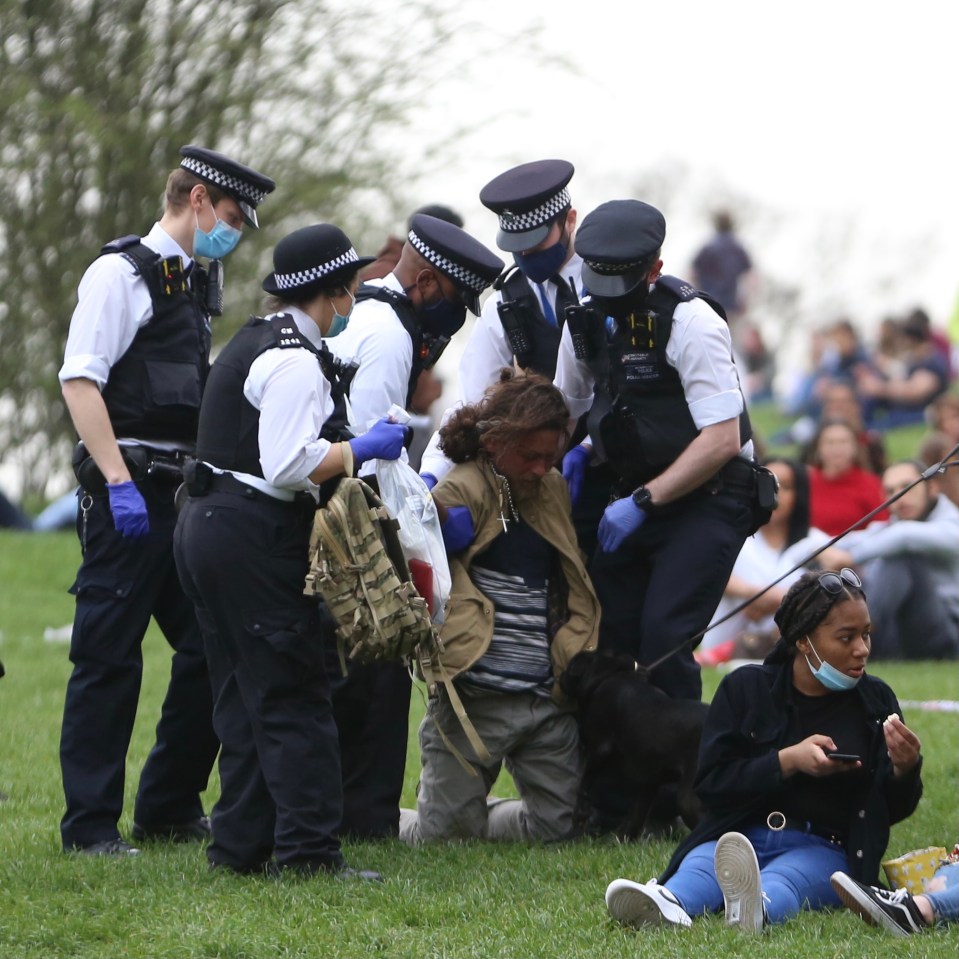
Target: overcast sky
833	122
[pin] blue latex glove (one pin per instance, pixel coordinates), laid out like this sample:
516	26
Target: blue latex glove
429	479
620	520
383	441
574	469
458	530
129	509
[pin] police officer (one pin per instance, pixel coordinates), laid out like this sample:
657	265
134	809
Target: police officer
135	366
670	420
269	435
522	320
400	326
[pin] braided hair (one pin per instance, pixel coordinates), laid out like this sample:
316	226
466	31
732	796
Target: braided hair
804	607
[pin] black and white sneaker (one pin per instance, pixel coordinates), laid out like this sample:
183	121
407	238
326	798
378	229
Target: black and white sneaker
896	912
737	872
650	905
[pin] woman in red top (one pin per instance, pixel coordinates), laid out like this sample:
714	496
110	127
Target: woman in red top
841	492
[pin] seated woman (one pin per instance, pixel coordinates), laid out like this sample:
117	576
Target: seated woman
521	607
783	815
841	492
787	539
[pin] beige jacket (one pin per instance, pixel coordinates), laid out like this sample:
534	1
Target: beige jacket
468	628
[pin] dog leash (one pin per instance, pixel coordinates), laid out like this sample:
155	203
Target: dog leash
925	475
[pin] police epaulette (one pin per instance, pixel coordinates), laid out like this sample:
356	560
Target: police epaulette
285	331
120	244
685	291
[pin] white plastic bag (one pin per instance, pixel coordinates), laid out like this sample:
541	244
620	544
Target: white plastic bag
409	501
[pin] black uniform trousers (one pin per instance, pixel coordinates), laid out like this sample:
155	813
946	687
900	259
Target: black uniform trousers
120	585
243	560
372	708
662	586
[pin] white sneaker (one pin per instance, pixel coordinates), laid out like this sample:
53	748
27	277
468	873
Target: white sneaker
737	871
650	905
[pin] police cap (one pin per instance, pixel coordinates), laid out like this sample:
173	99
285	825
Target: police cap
322	252
240	182
527	198
455	254
617	241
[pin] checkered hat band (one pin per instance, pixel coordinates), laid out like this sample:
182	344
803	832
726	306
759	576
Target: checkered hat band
460	274
230	183
521	222
291	281
613	269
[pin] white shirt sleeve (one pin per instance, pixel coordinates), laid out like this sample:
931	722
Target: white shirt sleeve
293	397
700	350
113	303
573	379
487	352
377	340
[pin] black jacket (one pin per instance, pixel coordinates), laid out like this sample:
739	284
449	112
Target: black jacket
747	725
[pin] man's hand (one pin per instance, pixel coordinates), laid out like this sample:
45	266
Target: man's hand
574	469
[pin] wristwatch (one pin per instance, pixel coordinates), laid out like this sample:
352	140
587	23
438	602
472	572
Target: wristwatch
643	498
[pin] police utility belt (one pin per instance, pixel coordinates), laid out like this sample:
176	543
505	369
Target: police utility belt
201	480
144	462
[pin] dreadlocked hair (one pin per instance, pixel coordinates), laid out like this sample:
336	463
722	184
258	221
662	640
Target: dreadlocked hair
807	604
508	411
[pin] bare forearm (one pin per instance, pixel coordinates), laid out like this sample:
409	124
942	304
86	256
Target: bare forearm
715	446
92	422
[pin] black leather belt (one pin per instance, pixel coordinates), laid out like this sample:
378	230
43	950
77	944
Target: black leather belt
777	821
227	483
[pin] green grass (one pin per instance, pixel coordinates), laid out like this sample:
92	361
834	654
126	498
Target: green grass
469	900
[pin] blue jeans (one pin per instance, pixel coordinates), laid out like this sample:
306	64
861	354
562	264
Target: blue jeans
794	866
945	900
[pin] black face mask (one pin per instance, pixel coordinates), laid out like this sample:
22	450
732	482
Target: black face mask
619	307
442	318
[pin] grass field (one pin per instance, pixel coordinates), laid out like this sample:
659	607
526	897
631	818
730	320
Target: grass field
474	900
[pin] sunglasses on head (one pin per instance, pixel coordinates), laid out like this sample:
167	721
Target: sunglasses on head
835	583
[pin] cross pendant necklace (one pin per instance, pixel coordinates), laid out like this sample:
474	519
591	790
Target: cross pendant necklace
504	486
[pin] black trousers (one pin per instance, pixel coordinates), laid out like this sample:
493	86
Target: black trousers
243	560
372	708
120	585
662	586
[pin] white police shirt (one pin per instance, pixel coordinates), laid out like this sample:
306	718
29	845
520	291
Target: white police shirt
293	397
699	349
113	305
487	352
378	341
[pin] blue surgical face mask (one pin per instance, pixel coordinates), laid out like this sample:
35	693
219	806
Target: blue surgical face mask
829	676
222	239
339	320
542	264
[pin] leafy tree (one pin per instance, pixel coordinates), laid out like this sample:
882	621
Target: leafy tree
97	96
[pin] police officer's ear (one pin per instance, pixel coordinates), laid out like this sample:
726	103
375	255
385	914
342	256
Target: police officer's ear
655	271
198	195
570	225
428	284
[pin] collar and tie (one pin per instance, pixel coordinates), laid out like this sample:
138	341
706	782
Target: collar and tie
564	297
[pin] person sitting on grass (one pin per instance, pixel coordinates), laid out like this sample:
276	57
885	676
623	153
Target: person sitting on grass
783	814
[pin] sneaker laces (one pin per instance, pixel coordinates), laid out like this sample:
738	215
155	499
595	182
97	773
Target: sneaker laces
899	896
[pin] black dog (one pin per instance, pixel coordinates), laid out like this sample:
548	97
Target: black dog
636	736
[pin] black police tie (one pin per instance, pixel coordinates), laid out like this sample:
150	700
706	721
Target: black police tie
564	298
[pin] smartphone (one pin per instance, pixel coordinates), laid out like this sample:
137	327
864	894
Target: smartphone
844	757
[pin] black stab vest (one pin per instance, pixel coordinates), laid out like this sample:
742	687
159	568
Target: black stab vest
229	423
537	347
154	389
647	423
